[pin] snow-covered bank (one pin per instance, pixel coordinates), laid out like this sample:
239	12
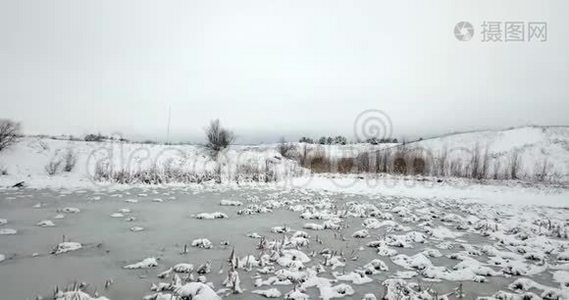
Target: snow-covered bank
42	162
540	152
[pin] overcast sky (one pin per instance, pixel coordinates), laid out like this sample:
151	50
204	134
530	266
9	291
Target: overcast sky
276	68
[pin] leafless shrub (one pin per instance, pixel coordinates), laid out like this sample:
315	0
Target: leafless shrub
70	160
474	164
9	133
478	165
344	165
399	165
496	169
303	155
441	162
318	161
383	161
514	166
218	138
483	170
366	162
542	170
151	175
456	168
53	167
287	150
168	172
253	171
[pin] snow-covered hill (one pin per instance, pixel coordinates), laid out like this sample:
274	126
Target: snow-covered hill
538	150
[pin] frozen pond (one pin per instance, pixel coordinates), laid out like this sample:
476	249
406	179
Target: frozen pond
356	244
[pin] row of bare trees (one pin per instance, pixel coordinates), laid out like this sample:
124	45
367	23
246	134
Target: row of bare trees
475	163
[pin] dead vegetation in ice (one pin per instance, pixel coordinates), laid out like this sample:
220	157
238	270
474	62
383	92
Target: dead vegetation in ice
382	247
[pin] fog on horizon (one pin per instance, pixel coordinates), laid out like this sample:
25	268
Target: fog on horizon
278	68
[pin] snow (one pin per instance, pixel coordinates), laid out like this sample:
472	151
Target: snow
45	223
137	228
26	160
363	233
511	235
211	216
144	264
76	295
269	293
70	210
183	268
230	203
562	277
65	247
196	291
202	243
8	231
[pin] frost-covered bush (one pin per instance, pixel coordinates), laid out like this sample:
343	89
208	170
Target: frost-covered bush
9	133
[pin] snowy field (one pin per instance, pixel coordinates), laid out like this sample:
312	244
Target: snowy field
293	243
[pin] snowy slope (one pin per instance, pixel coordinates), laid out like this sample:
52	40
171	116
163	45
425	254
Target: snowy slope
28	159
536	147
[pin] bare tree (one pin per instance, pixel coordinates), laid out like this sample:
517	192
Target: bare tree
218	138
9	133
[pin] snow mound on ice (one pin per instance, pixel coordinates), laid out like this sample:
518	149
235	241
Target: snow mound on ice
211	216
65	247
144	264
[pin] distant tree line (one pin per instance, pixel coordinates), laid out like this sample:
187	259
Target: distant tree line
375	141
342	140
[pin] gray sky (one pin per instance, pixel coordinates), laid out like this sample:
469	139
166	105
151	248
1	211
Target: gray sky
272	68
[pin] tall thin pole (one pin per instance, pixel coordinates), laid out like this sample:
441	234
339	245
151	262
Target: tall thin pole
168	128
